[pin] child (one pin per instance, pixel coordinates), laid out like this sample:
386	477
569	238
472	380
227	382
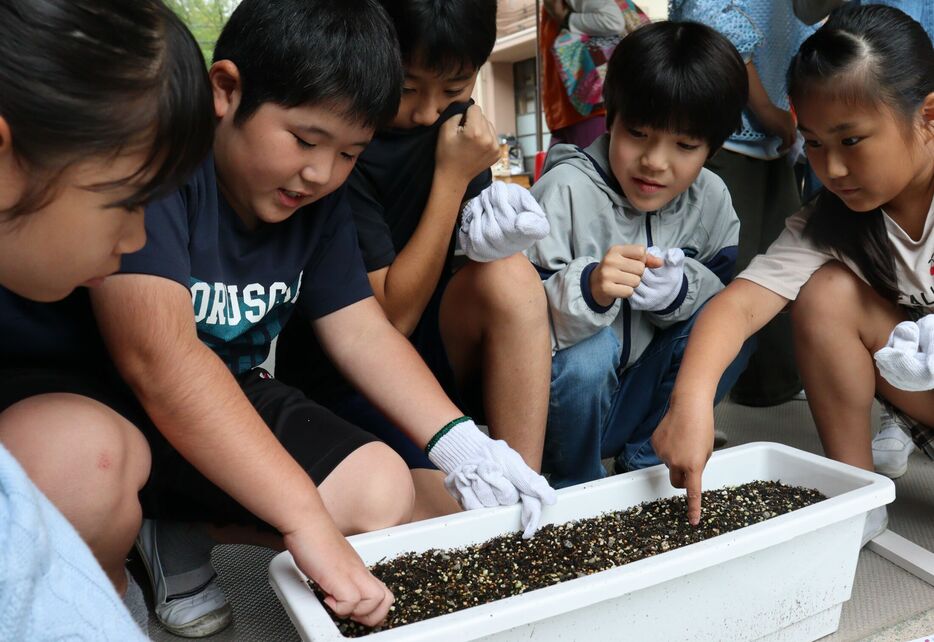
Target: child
261	228
621	314
483	330
74	175
855	263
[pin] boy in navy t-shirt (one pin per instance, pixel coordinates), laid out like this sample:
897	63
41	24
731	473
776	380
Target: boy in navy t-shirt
483	329
263	228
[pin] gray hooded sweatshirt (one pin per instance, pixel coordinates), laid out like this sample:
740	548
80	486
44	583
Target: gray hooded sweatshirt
589	213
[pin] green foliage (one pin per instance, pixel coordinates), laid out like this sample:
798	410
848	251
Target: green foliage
205	18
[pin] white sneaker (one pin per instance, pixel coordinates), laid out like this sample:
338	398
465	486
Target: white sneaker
877	520
891	447
195	613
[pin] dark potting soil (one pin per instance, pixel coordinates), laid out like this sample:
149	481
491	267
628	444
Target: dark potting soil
436	582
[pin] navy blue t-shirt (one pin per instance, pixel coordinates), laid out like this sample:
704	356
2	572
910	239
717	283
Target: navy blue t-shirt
62	333
390	185
244	283
388	191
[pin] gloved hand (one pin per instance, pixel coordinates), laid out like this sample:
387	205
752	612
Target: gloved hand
502	220
907	360
482	472
660	286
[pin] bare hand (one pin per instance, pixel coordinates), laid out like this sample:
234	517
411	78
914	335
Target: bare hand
620	272
467	145
557	9
781	123
684	441
325	556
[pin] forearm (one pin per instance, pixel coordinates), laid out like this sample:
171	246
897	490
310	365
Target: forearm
726	322
597	19
759	102
148	326
201	410
388	372
416	270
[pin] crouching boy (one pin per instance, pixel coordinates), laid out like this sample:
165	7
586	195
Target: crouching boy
641	237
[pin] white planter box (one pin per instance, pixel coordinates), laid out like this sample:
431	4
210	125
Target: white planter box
783	579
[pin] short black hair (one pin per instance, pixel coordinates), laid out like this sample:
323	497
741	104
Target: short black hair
90	78
677	76
342	54
444	35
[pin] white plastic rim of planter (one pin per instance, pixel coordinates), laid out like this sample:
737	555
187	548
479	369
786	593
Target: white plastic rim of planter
783	579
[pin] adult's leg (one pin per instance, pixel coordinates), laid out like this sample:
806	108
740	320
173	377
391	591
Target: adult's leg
840	322
583	382
495	329
764	194
90	462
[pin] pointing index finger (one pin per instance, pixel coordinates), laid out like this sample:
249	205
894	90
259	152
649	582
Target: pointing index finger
693	485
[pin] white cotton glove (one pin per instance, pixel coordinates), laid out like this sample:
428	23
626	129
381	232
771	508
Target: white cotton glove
907	360
660	286
500	221
482	472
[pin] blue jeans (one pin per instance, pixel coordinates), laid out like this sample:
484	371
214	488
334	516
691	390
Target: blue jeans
597	411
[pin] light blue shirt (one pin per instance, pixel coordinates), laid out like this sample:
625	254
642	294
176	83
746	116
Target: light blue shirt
920	10
51	587
768	33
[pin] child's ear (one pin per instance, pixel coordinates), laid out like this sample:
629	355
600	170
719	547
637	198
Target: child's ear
225	85
927	109
11	184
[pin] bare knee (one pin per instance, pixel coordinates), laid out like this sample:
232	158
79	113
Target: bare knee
509	287
371	489
87	459
835	300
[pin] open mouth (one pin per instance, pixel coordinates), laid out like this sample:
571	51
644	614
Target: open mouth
290	198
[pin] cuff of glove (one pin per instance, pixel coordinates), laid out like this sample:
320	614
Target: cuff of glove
678	300
458	442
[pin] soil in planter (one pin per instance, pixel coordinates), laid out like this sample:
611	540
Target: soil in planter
436	582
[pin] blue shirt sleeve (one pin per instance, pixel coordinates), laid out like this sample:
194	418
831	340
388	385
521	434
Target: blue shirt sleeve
335	276
166	251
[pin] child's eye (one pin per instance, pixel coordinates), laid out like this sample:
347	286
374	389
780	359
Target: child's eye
304	144
453	92
852	140
690	147
408	90
811	143
635	133
350	157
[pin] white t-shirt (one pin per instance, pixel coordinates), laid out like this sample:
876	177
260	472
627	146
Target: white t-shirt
792	259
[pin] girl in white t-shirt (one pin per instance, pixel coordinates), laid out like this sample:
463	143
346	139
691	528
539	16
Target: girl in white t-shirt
856	262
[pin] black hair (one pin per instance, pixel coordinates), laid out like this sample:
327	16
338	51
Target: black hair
445	36
870	55
677	76
90	78
341	54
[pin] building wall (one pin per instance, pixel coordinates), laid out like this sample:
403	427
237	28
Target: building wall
496	88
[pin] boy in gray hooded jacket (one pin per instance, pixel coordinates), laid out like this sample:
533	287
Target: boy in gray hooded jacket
641	237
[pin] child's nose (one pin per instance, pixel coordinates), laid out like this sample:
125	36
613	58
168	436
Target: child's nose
426	112
836	168
133	237
319	173
654	159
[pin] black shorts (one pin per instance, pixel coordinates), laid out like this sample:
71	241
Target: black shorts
317	438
